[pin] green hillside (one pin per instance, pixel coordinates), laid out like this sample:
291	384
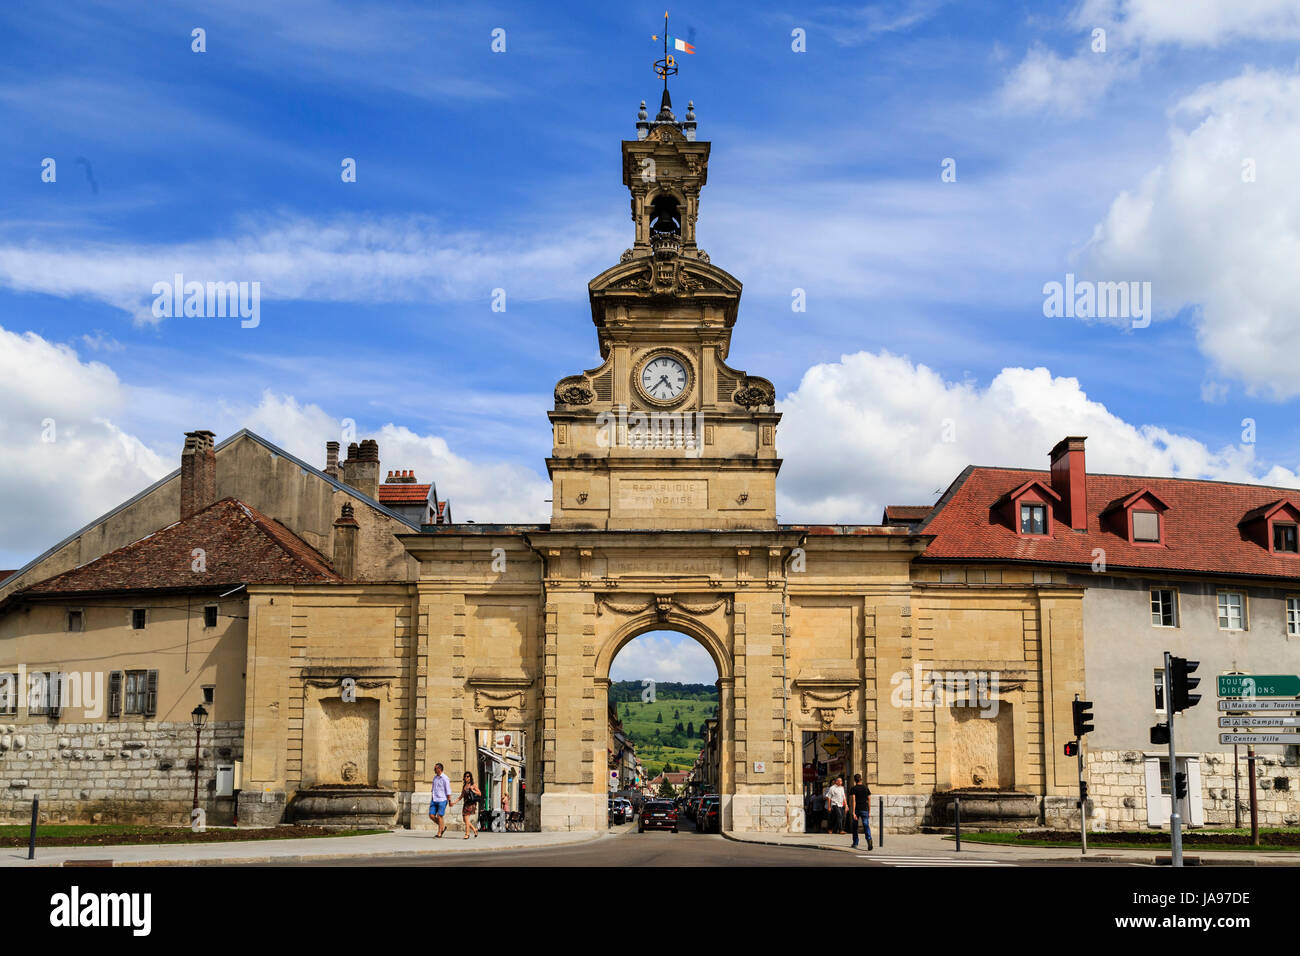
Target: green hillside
669	730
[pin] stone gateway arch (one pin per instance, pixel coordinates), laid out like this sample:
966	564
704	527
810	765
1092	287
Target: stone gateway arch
488	647
664	469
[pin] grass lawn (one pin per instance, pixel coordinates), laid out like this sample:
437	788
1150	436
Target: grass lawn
122	834
1270	839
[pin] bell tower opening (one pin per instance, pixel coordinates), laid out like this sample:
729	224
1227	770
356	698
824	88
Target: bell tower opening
664	217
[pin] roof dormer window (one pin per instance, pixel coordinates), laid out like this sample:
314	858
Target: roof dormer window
1027	509
1284	537
1033	518
1146	526
1138	518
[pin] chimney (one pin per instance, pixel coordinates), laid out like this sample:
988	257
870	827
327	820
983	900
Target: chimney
332	459
198	473
345	543
365	475
1070	481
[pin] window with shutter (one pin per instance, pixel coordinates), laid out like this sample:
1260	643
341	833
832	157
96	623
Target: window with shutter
151	694
55	685
115	694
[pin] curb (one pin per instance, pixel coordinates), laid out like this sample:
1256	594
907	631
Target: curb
313	857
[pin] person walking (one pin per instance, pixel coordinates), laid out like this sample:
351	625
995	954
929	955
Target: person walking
835	805
860	810
469	798
438	799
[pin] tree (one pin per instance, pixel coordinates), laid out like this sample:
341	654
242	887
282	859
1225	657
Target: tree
690	729
659	717
666	788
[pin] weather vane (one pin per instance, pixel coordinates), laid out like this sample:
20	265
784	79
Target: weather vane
668	65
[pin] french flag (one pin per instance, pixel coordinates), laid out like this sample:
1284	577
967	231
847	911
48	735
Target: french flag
680	45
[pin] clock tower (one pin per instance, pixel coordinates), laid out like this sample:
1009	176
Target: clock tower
663	434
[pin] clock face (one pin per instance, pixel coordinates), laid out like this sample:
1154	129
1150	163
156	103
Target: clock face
663	378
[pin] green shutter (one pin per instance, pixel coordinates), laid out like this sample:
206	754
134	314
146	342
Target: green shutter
151	695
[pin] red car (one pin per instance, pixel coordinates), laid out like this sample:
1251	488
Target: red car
658	815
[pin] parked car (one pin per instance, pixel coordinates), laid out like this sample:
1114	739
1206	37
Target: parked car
618	812
708	818
628	811
658	815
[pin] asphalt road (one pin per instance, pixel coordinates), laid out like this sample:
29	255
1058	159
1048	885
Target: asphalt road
626	847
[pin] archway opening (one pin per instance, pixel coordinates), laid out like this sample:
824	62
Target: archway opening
665	738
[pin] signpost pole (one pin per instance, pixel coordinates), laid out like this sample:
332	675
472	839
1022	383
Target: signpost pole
1236	787
1254	802
1175	819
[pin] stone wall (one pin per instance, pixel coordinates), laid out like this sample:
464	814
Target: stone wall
1118	791
120	771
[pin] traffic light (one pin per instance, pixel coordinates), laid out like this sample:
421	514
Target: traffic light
1072	748
1083	789
1180	785
1182	683
1082	717
1160	734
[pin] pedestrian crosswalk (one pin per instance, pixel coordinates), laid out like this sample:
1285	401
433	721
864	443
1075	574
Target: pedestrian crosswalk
953	860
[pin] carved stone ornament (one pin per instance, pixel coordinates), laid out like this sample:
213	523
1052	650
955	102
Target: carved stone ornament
663	603
582	497
637	281
827	703
627	253
574	391
754	392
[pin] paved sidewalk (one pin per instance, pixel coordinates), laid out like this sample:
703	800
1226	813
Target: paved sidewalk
942	849
397	843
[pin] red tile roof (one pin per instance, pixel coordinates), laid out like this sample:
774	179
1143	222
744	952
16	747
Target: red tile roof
905	513
1199	532
240	545
402	494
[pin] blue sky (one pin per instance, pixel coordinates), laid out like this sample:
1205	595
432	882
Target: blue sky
479	170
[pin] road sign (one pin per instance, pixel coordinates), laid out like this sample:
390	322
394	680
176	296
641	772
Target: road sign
1259	721
1259	685
831	744
1259	738
1244	705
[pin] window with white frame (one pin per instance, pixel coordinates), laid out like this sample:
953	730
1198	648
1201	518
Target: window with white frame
1293	617
1164	607
1159	683
1232	611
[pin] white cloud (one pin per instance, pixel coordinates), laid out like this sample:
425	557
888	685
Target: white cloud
1045	82
664	656
486	492
48	489
887	419
1207	239
1194	23
345	259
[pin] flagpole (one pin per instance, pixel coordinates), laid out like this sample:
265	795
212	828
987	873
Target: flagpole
665	50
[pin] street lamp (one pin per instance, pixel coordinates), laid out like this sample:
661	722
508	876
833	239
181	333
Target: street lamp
198	717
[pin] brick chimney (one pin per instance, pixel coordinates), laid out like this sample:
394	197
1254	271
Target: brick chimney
345	543
1070	481
198	473
332	459
366	474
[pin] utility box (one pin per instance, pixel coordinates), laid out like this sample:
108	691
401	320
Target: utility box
225	780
